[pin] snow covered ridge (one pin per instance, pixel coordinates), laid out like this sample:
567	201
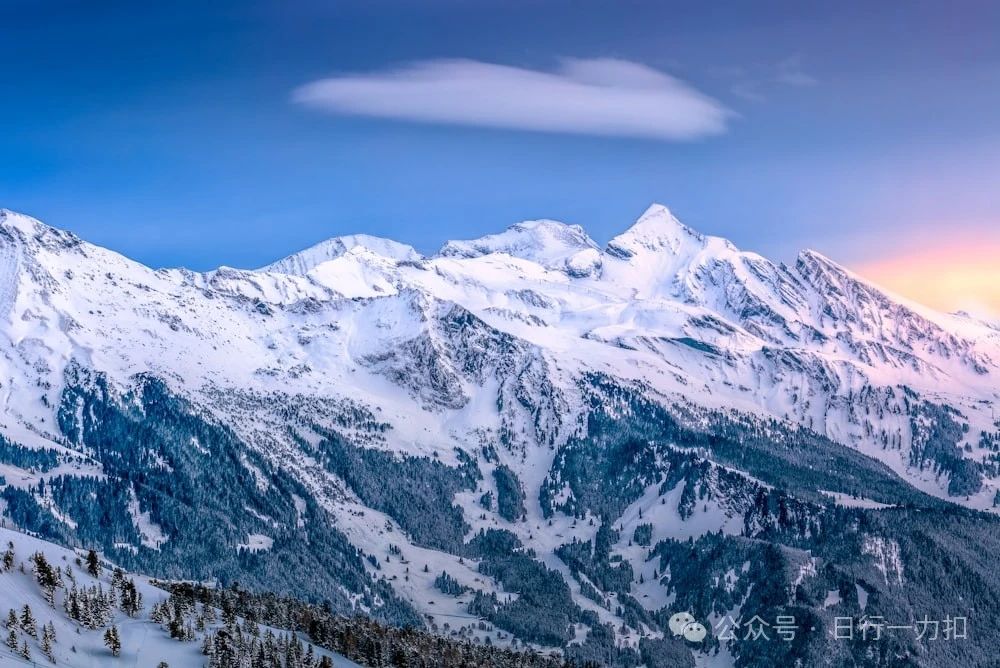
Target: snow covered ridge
416	438
687	313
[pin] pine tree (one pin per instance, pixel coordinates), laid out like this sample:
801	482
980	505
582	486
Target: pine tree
47	640
113	640
25	651
48	578
28	621
131	598
12	639
7	561
93	564
154	614
12	619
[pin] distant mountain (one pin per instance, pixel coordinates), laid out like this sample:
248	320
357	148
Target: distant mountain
331	249
523	431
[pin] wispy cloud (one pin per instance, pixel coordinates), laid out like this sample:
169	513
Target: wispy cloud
748	90
790	72
606	97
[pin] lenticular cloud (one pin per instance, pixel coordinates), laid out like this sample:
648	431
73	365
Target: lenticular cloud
605	97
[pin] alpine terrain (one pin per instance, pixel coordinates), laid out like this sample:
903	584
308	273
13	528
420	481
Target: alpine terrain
527	440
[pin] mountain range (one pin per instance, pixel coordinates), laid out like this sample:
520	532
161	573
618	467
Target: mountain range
527	438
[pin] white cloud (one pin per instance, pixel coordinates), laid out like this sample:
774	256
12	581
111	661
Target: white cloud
605	96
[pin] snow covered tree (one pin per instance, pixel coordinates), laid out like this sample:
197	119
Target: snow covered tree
12	639
7	561
113	641
28	621
48	638
131	599
48	577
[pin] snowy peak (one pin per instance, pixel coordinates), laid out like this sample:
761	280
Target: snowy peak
661	258
11	220
547	242
304	261
29	232
657	230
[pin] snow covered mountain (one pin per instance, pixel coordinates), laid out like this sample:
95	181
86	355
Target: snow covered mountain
395	409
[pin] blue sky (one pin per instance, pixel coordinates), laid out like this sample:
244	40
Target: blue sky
177	133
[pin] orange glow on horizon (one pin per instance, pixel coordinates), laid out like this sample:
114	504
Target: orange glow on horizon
947	278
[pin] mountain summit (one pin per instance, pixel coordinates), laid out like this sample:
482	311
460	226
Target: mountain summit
304	261
656	230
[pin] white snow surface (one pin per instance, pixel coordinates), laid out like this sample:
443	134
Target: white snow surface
369	322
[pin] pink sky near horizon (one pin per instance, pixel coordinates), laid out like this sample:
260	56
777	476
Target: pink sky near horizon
947	277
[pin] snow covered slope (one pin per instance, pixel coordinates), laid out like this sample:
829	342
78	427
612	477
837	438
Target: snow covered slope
76	644
463	376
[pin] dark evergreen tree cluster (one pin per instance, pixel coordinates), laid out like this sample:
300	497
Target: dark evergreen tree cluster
129	597
643	534
235	647
92	607
543	610
510	495
593	559
48	578
421	497
181	618
449	585
32	459
937	432
360	639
